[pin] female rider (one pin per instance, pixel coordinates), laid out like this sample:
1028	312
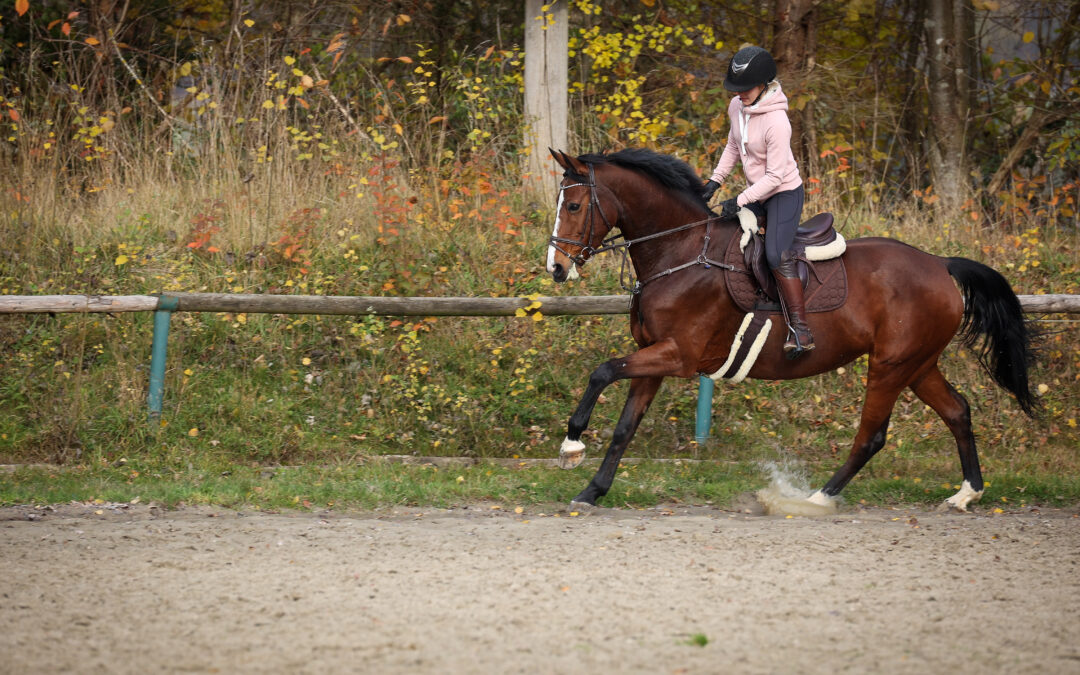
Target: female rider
760	137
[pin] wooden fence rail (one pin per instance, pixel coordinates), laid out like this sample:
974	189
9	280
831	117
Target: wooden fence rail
164	305
313	304
384	306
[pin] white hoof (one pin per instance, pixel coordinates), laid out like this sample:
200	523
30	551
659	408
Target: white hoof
778	501
964	498
581	507
571	454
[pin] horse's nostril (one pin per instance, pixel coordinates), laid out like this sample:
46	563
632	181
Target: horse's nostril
558	272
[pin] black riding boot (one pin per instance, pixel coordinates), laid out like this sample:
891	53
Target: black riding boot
791	293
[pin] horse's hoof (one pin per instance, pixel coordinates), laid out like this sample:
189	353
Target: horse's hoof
776	501
581	507
948	507
571	454
961	500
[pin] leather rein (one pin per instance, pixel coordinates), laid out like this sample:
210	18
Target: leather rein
613	244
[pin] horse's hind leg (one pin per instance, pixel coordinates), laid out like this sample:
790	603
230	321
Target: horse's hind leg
936	392
642	392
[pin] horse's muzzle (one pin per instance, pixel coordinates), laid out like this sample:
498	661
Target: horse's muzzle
561	273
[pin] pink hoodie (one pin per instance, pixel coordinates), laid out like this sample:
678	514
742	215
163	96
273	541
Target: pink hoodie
760	136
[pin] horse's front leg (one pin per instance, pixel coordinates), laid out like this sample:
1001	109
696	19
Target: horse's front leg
642	392
882	389
660	359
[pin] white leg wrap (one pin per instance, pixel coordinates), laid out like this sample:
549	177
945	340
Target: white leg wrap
965	497
571	453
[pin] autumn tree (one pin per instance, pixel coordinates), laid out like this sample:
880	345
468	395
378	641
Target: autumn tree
1055	92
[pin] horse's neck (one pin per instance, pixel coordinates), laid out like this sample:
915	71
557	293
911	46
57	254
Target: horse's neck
654	255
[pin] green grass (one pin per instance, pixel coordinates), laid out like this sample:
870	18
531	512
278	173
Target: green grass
247	205
697	640
379	484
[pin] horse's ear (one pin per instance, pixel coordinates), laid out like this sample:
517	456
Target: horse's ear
573	165
559	157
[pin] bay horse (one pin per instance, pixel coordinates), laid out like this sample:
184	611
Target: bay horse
903	308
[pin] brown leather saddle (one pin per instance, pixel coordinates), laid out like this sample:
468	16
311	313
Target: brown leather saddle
819	248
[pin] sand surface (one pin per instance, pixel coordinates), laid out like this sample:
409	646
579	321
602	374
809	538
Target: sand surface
135	589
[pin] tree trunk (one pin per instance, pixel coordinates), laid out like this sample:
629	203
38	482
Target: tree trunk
948	103
966	56
794	48
912	121
546	83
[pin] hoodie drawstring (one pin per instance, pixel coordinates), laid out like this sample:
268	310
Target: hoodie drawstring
744	114
744	119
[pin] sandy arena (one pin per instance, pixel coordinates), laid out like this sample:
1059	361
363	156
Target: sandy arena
135	589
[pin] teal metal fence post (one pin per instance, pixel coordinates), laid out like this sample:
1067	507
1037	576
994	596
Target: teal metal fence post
162	314
704	408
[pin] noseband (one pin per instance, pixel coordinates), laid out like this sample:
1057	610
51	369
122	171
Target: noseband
587	249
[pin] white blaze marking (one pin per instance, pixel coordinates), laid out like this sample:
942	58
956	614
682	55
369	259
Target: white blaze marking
554	233
573	273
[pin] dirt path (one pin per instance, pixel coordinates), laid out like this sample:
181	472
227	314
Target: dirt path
479	590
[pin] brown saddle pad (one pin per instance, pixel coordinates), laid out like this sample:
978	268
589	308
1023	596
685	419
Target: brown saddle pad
825	288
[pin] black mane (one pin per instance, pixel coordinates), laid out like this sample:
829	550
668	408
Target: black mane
671	172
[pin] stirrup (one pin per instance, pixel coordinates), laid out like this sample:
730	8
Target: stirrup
793	347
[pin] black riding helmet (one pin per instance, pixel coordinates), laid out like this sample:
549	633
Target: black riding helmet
749	67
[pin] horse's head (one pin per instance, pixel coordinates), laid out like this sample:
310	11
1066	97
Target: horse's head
581	219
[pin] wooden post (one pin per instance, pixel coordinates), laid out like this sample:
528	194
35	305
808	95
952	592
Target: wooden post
546	83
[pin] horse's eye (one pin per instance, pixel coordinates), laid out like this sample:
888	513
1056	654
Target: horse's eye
573	207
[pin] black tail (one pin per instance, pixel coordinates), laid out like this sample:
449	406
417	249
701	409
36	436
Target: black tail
994	326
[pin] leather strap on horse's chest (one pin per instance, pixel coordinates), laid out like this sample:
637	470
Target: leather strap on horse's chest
746	347
701	259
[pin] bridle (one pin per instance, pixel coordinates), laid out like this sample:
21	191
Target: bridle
612	243
587	249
